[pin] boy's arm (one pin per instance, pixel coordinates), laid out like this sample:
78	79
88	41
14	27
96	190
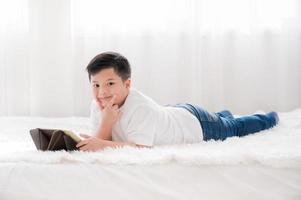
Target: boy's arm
111	114
104	132
95	144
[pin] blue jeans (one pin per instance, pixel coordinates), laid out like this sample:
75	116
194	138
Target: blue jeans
221	125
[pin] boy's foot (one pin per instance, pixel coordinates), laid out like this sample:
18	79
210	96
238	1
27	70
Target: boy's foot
273	115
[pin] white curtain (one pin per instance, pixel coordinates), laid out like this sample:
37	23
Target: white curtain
242	55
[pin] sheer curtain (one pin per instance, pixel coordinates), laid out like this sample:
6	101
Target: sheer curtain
243	55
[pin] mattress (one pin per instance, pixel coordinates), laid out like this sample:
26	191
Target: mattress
266	165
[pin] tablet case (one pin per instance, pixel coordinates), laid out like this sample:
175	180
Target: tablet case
53	139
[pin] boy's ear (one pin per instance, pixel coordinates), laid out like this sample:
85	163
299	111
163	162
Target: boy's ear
127	83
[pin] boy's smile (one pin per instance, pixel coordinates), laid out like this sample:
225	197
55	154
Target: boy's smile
106	84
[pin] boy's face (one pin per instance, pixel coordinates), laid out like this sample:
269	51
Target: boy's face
106	84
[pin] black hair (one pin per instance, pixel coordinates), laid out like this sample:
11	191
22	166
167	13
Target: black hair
108	60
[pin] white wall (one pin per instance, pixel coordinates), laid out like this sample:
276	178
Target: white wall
243	55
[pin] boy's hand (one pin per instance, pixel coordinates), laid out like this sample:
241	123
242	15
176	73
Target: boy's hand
90	143
94	144
99	105
111	113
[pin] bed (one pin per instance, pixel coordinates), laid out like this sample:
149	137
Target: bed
266	165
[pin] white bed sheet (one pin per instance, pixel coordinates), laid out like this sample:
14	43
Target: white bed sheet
266	165
170	181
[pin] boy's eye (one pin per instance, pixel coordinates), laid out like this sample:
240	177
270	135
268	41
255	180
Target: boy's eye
95	85
111	83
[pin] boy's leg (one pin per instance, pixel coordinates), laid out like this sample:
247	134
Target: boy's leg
255	123
219	128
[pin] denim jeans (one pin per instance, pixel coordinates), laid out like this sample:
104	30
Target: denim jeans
221	125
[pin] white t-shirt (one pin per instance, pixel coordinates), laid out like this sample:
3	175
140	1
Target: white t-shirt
145	122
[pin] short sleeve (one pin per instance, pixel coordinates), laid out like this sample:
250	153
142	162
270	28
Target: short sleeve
94	116
142	125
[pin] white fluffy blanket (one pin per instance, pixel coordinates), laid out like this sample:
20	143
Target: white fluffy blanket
277	147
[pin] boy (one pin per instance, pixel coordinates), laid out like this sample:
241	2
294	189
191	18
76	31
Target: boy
124	116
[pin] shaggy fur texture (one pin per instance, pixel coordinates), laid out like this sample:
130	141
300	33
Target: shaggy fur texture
277	147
